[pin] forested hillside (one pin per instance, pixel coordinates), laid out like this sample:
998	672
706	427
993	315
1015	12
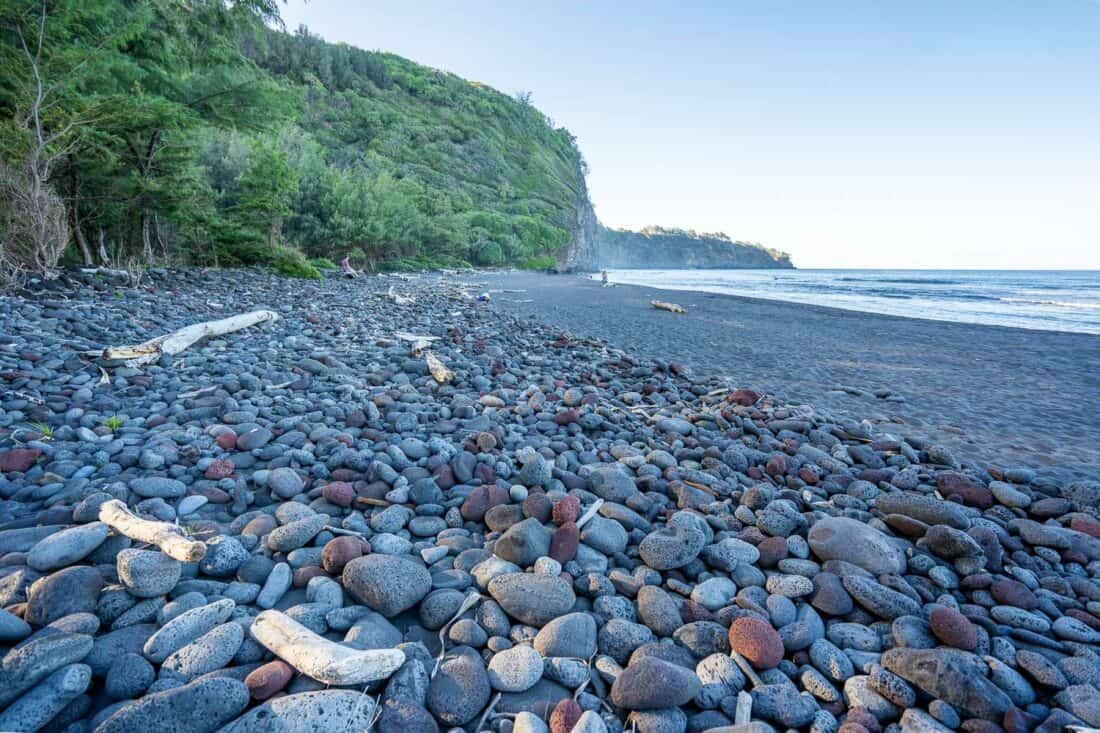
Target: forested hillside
145	131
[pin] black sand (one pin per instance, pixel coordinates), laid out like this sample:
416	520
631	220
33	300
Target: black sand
1002	395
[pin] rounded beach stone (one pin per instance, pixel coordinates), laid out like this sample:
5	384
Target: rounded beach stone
651	683
516	669
67	546
284	483
565	716
671	547
148	573
319	710
129	676
202	706
460	688
756	641
213	650
571	635
70	590
532	599
953	629
564	542
338	552
566	510
388	584
268	679
339	493
843	538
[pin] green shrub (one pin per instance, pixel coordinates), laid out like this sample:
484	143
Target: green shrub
323	263
290	262
544	262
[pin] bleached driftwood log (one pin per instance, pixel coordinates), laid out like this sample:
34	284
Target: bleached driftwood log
670	307
440	372
168	537
177	341
418	344
398	299
317	657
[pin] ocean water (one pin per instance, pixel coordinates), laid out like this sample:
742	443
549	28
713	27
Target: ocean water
1053	300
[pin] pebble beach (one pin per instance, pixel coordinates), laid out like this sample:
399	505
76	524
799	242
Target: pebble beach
398	507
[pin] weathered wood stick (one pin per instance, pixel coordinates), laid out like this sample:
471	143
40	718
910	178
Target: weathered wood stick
743	712
439	371
167	537
670	307
174	343
317	657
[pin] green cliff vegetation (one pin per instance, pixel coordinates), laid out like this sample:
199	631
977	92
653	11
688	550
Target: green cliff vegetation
135	132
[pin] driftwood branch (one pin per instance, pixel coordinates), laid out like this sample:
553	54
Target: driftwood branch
177	341
670	307
317	657
439	371
166	536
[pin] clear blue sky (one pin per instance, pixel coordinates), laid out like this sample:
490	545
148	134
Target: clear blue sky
918	133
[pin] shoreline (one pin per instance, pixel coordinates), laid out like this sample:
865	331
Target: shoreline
976	387
939	310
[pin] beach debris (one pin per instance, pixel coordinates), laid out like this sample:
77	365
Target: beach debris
176	342
317	657
438	369
417	343
398	299
665	306
168	537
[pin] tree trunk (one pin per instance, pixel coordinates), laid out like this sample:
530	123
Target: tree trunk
146	239
104	258
74	216
272	228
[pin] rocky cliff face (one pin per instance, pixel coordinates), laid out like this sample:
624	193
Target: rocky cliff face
595	247
657	248
583	251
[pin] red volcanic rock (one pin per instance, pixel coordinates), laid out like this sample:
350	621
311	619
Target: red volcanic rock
863	718
481	500
214	495
485	442
565	715
339	493
226	440
266	680
1085	523
953	629
744	397
339	551
18	460
567	509
1084	617
1013	593
756	641
690	612
538	505
304	574
565	417
563	544
776	466
219	469
956	485
772	550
